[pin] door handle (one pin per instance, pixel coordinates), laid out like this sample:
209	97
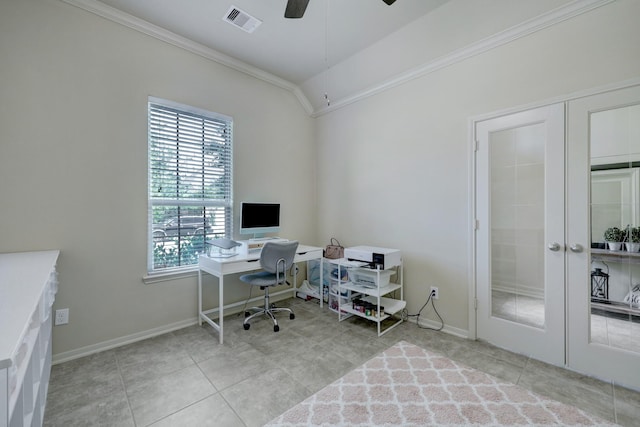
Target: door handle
555	246
577	248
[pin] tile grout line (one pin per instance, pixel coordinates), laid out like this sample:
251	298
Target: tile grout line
124	388
613	395
219	392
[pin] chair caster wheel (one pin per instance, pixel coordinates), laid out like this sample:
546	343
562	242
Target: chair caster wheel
247	314
292	316
276	328
246	326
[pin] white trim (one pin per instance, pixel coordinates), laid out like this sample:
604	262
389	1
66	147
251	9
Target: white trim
611	87
119	342
434	324
526	28
471	277
166	276
137	24
161	330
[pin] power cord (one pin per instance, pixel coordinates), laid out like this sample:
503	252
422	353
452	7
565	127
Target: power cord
244	309
406	315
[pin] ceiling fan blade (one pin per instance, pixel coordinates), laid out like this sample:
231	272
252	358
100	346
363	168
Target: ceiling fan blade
296	8
389	2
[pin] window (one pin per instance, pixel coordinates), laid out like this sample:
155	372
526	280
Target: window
190	183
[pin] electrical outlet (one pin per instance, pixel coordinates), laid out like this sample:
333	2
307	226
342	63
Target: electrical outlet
62	316
434	292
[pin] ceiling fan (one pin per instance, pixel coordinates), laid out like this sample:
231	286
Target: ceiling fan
296	8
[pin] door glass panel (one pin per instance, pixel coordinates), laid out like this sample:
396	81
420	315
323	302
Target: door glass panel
517	224
615	205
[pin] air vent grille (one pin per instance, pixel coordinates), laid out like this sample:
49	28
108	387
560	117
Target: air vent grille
242	19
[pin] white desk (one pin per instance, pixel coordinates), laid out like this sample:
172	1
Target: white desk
219	267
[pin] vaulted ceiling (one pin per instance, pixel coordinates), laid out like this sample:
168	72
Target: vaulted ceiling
349	48
292	49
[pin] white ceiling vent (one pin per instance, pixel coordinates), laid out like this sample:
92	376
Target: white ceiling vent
242	19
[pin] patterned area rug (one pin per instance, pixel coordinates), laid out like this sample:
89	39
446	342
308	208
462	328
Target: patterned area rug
409	386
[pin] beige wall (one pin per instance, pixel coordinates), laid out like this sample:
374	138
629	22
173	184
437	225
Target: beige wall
73	159
394	168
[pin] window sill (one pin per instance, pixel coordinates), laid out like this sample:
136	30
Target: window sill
166	276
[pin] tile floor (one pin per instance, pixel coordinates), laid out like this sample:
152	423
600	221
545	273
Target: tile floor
185	378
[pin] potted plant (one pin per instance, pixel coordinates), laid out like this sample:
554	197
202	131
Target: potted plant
633	239
614	238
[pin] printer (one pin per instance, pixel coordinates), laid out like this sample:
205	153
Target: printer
373	256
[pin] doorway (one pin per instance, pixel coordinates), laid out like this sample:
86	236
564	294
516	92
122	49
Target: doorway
548	284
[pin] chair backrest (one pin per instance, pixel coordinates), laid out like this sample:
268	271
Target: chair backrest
273	252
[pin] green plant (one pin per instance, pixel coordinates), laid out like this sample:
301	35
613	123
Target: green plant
635	235
614	234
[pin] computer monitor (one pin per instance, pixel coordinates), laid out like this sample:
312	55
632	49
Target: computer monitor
259	218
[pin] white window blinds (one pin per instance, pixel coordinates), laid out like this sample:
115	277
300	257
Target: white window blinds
190	182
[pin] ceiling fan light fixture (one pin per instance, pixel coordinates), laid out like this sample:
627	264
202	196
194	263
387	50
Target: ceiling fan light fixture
295	8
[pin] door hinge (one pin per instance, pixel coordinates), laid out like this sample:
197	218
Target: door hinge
475	303
475	145
476	224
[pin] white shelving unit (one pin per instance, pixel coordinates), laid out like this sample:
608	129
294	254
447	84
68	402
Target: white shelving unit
29	284
372	286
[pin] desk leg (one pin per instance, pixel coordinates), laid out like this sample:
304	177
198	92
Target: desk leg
221	304
295	282
321	287
200	297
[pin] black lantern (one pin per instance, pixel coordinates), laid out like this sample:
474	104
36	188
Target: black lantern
599	285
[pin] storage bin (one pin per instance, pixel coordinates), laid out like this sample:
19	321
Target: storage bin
333	301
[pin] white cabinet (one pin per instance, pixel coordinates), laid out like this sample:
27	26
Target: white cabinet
376	295
29	284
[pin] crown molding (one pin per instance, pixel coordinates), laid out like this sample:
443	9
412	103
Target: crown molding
526	28
98	8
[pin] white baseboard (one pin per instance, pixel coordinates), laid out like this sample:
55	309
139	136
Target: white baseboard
451	330
139	336
118	342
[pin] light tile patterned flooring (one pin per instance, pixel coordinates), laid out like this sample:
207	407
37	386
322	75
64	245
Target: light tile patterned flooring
185	378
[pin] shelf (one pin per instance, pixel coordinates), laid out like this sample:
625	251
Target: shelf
615	307
391	306
315	295
347	309
376	292
615	256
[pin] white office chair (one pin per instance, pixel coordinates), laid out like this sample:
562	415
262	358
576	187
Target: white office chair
275	259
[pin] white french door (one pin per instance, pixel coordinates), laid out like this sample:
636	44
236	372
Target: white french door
547	283
520	236
602	173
